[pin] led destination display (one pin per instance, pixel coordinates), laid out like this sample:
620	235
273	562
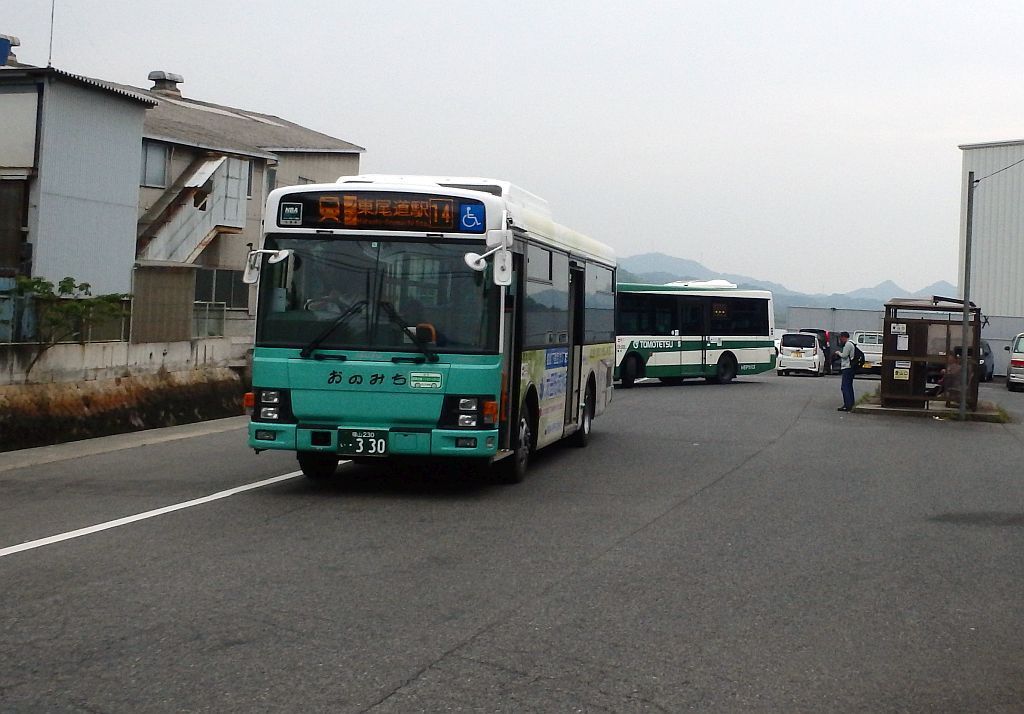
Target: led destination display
376	210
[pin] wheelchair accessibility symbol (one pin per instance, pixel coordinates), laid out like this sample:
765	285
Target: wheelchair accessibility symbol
471	219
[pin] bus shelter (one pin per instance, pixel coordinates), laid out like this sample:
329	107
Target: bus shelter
923	352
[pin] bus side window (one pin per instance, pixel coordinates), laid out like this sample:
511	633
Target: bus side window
691	317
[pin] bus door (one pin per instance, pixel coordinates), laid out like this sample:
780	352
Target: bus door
572	377
693	335
511	353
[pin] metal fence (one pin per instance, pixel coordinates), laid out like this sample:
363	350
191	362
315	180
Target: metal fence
208	319
20	324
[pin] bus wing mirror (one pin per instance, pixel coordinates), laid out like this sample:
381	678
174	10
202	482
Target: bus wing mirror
502	260
503	268
252	268
252	262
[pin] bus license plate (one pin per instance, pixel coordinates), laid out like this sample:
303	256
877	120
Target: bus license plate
363	442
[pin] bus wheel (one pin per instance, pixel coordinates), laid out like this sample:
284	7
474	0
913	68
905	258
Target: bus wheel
726	370
513	469
629	372
318	466
582	436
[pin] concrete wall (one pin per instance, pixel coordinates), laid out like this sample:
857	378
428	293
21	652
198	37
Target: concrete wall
40	414
84	202
109	360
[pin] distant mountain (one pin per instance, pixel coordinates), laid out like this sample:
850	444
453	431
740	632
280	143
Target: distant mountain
659	268
941	288
881	292
655	266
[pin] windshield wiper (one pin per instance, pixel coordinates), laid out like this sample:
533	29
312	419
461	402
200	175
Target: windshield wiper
337	322
397	319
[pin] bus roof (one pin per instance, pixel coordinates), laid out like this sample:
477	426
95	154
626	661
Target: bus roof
714	287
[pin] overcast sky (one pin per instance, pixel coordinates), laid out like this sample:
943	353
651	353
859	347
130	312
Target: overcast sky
808	143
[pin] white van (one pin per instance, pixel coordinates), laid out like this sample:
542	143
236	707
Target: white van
800	352
1015	367
870	343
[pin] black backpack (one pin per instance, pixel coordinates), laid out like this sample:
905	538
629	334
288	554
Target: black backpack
857	361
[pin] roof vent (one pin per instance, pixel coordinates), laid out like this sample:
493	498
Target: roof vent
166	82
6	54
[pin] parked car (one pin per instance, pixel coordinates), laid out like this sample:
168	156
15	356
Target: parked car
1015	368
870	343
800	352
829	342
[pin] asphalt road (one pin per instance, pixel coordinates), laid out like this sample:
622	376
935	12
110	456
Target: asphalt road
741	547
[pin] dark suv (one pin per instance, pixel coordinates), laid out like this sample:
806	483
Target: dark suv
829	342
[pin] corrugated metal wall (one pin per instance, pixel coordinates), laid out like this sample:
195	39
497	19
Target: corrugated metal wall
86	196
162	310
834	319
997	254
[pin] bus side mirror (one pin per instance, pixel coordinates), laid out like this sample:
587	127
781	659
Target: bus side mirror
252	268
252	263
502	264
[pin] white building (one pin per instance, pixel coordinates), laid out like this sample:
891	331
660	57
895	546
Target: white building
997	239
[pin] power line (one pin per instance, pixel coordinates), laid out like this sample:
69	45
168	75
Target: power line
1021	161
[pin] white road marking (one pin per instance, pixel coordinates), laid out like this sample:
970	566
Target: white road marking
143	516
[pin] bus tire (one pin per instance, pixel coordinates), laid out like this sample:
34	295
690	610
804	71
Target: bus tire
725	372
581	437
513	468
629	372
317	466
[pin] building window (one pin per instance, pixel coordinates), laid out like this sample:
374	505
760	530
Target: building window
218	285
12	218
248	182
154	164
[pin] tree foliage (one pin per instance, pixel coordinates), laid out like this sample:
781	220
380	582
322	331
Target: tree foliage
66	312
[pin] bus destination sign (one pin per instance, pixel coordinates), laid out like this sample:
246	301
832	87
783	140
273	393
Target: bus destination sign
377	210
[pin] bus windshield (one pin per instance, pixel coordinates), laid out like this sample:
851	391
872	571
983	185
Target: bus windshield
375	292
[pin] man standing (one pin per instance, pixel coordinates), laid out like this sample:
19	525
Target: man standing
846	349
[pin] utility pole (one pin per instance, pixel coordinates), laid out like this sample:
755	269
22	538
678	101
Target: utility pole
964	374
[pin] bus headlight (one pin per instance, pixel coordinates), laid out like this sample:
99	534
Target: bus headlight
272	405
467	411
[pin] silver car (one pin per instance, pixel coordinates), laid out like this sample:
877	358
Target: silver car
1015	368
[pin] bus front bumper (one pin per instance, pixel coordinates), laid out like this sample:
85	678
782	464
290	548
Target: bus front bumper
477	443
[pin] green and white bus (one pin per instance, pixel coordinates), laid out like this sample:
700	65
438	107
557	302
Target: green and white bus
706	329
413	316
